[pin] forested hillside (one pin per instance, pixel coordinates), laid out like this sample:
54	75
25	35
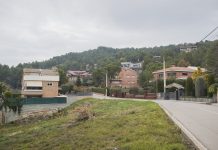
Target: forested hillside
205	56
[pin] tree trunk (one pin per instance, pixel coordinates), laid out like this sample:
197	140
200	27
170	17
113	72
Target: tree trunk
2	117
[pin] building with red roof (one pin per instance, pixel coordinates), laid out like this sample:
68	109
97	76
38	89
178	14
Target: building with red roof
176	72
73	75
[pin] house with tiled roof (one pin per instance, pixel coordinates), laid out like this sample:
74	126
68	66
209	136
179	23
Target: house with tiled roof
73	75
176	72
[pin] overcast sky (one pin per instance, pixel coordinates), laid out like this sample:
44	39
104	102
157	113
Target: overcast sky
33	30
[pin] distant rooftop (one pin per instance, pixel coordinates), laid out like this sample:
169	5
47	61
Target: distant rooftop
180	69
131	65
40	71
78	72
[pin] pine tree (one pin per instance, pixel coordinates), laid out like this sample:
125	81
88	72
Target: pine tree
189	87
212	59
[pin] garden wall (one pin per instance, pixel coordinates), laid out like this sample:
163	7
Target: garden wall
52	100
206	100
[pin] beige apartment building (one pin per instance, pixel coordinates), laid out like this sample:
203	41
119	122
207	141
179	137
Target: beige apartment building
40	82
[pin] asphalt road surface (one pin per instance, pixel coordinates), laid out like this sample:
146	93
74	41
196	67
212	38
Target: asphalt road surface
199	119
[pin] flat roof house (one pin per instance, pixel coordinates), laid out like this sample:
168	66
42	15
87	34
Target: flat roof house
40	82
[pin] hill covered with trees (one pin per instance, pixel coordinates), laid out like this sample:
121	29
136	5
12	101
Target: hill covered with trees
102	58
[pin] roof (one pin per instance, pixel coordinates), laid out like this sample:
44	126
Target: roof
180	69
187	46
196	68
51	72
178	86
128	69
77	73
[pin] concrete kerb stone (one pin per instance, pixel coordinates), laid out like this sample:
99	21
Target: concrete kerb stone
188	133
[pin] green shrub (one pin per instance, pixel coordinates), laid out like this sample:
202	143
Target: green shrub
134	90
213	88
99	90
115	91
65	88
7	94
141	91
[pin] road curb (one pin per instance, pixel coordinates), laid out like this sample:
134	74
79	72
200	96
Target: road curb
195	141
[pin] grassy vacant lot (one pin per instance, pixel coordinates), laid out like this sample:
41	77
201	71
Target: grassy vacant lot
125	125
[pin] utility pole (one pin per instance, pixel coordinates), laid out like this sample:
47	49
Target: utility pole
106	84
164	76
164	73
210	33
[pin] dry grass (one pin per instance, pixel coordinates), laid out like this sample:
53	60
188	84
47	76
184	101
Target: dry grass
103	125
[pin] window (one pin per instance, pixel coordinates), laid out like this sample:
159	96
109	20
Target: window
49	84
33	88
171	75
184	73
161	75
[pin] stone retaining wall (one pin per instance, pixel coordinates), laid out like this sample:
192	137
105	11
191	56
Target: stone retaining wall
35	116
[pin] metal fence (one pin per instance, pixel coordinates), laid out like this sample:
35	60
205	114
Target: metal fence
57	100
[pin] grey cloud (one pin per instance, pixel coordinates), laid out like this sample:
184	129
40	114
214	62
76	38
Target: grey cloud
39	29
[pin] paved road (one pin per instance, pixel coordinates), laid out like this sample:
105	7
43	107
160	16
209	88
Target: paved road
199	119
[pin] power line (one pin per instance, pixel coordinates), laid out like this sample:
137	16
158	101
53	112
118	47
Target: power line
210	33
